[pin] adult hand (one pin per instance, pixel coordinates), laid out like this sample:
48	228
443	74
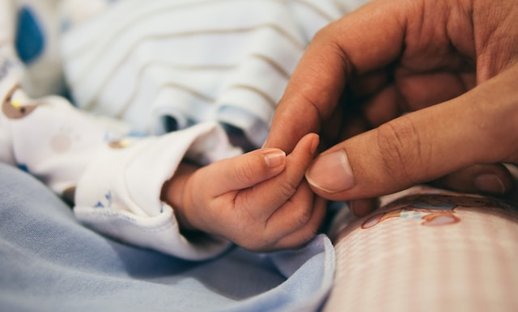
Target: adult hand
412	91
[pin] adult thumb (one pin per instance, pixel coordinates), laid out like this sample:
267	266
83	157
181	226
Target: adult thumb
478	127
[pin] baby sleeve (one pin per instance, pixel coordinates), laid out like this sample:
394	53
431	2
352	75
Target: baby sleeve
114	178
119	193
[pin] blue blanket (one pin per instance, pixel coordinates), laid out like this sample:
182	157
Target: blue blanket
49	262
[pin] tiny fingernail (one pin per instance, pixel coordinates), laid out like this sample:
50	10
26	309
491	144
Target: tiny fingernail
331	173
275	158
490	183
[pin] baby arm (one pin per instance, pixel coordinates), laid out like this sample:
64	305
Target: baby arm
258	200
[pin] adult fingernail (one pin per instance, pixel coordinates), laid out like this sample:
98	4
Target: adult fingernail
275	158
331	172
490	183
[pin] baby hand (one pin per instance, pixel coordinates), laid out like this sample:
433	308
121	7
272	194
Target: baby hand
258	200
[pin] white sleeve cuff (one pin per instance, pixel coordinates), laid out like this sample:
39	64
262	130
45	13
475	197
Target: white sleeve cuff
119	193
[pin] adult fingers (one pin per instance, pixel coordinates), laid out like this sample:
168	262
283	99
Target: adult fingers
477	127
411	93
336	51
491	179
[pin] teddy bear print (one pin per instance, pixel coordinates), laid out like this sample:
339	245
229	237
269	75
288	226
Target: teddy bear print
436	210
118	141
63	140
17	107
429	210
119	144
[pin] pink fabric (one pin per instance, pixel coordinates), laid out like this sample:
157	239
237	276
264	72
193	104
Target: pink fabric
429	253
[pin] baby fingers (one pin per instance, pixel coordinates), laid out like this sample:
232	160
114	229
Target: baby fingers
263	199
244	171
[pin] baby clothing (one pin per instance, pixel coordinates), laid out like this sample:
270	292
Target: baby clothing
115	179
193	61
141	69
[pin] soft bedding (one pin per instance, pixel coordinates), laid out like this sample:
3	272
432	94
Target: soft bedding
49	262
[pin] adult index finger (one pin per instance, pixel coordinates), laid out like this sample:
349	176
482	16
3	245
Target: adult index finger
367	39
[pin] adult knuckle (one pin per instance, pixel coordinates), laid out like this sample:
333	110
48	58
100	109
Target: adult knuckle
401	149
